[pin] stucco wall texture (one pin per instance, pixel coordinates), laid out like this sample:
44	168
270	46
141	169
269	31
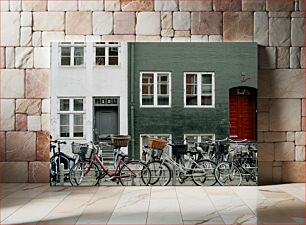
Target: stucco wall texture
28	27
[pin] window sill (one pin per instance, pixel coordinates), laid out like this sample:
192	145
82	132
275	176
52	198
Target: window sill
82	66
151	106
199	107
106	66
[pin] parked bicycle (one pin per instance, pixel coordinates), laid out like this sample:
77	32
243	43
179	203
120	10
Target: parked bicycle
92	170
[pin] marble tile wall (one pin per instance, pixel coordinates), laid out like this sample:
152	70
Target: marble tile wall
28	27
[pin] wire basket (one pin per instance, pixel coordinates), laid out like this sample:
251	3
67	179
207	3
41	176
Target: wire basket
81	149
157	143
120	140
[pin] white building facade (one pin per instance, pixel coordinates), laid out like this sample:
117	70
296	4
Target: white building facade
89	91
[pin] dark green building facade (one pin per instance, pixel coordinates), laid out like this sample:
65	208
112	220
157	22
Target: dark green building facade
183	88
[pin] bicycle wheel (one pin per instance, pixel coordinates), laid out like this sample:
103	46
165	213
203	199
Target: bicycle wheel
53	176
203	173
81	175
228	174
134	173
160	173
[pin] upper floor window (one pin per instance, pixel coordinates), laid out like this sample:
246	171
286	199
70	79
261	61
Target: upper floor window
155	89
71	117
199	89
72	53
107	53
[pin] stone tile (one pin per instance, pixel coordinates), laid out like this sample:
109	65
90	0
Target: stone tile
267	57
263	121
261	28
37	83
283	57
45	106
42	21
143	28
293	172
37	39
91	5
39	172
275	136
182	33
52	36
2	58
71	5
304	107
290	136
75	38
281	83
34	5
300	138
253	5
28	106
203	5
137	5
215	38
169	5
279	32
279	14
102	23
12	171
124	22
263	105
280	5
147	38
26	19
23	57
277	174
166	39
34	123
303	58
5	5
12	83
300	153
45	122
93	38
42	57
43	146
167	33
21	122
264	173
260	137
112	5
284	151
10	57
285	115
295	57
227	5
181	21
238	26
20	146
199	38
118	38
297	32
10	29
79	23
298	14
206	23
265	152
2	146
15	6
181	39
166	20
7	113
25	36
302	5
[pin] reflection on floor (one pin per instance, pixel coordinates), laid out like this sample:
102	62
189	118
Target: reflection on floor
40	204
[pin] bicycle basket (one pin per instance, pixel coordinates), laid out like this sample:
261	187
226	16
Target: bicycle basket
81	149
157	143
179	149
120	140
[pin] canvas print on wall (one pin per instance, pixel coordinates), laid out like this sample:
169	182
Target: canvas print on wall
154	114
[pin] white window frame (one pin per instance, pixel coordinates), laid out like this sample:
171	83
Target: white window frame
71	114
154	135
199	90
106	45
198	137
71	45
155	90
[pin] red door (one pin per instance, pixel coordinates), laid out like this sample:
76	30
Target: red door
243	113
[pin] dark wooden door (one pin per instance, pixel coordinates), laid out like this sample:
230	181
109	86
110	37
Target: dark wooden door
243	113
106	120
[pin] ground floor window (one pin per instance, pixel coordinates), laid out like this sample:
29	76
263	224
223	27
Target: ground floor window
190	139
71	112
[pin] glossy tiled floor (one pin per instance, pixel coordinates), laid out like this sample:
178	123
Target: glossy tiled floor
40	204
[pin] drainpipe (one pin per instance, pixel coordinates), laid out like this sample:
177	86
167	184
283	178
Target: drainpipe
131	63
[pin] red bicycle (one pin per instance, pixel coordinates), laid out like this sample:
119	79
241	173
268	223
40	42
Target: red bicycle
90	171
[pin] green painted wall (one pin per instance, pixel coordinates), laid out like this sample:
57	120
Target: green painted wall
227	60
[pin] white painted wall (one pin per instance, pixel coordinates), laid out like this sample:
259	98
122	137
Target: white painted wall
88	81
